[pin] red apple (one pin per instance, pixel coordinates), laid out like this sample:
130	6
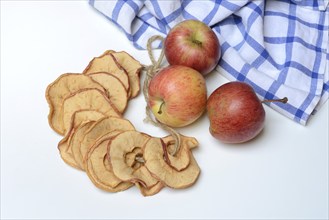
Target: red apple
177	95
236	114
192	43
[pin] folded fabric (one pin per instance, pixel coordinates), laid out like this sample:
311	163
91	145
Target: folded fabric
281	47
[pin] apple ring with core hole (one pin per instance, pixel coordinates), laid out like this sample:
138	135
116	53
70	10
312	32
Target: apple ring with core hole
155	160
181	159
98	169
97	130
120	146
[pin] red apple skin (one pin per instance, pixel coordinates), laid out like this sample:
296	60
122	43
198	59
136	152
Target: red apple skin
180	92
192	43
236	114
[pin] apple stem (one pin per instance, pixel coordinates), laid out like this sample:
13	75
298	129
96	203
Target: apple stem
197	42
283	100
160	108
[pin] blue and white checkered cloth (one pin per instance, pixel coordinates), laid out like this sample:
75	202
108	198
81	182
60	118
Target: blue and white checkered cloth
279	47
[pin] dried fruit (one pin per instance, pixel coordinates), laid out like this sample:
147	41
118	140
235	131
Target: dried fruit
182	157
133	68
78	118
98	168
151	190
87	99
154	156
63	86
75	140
87	108
97	130
123	144
115	89
107	63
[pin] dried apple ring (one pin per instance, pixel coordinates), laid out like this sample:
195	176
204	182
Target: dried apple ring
92	99
65	150
75	141
98	169
154	156
78	118
133	68
99	128
114	88
120	146
107	63
62	87
181	159
151	190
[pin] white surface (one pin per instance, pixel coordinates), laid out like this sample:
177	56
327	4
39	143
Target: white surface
281	174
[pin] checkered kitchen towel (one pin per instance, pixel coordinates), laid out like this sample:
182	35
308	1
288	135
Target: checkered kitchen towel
280	47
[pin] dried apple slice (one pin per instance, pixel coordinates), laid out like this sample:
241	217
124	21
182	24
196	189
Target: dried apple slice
75	140
151	190
181	160
92	99
98	168
78	118
62	87
123	144
154	154
107	63
99	128
133	68
188	142
65	151
114	88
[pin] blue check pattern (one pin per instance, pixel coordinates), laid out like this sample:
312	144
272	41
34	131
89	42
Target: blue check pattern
280	47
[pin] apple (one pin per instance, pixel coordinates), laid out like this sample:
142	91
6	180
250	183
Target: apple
236	114
177	95
192	43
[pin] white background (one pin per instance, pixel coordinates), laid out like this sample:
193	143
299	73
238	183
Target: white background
281	174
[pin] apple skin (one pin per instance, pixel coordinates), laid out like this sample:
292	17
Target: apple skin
192	43
236	114
177	95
